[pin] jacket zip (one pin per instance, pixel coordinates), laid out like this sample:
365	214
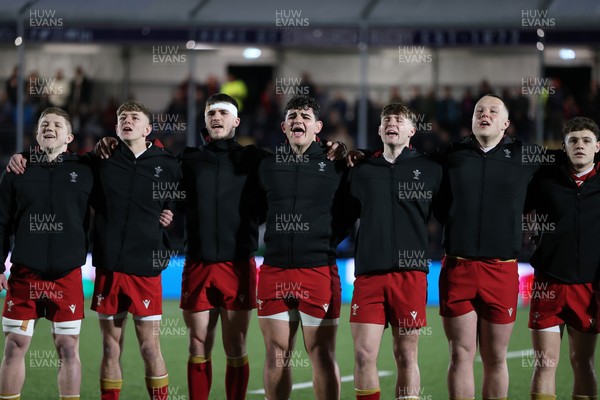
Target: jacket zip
217	207
393	219
294	193
481	197
119	267
52	213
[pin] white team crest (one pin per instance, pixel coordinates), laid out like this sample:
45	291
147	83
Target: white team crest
536	315
592	321
413	314
10	304
325	306
507	153
259	302
354	308
416	174
73	176
99	299
146	303
72	307
510	311
157	171
322	166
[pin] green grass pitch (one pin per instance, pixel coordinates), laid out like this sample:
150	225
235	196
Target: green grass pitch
41	363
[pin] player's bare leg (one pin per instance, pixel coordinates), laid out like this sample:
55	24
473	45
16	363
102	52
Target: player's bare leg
149	340
546	350
320	347
461	333
157	379
113	336
493	343
202	327
582	348
12	370
279	337
406	352
234	326
69	371
367	340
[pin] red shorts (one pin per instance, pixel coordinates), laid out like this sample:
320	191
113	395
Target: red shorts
229	285
555	303
488	286
398	298
316	291
117	292
29	297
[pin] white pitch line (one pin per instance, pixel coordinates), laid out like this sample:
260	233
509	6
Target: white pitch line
304	385
512	354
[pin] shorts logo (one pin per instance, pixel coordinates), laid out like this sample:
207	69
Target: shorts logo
242	297
592	322
507	153
99	299
416	173
510	311
322	166
413	314
157	171
536	315
72	307
325	307
259	302
10	304
146	303
354	308
73	176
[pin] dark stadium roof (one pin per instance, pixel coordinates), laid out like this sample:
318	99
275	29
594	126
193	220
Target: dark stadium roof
566	14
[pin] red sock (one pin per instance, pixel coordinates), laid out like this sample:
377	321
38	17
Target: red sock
369	394
236	377
199	377
110	389
158	387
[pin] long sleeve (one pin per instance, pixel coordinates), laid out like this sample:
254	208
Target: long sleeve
7	212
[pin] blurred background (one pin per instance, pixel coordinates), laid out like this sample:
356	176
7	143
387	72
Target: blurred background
438	57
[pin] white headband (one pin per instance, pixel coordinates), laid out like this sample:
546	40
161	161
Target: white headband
223	106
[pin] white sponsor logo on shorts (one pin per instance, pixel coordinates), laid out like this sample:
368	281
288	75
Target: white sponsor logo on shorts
413	314
325	306
510	311
99	299
72	307
354	308
10	304
146	303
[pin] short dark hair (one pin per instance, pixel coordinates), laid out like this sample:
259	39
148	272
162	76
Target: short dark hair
61	113
221	97
581	124
399	109
302	102
134	105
